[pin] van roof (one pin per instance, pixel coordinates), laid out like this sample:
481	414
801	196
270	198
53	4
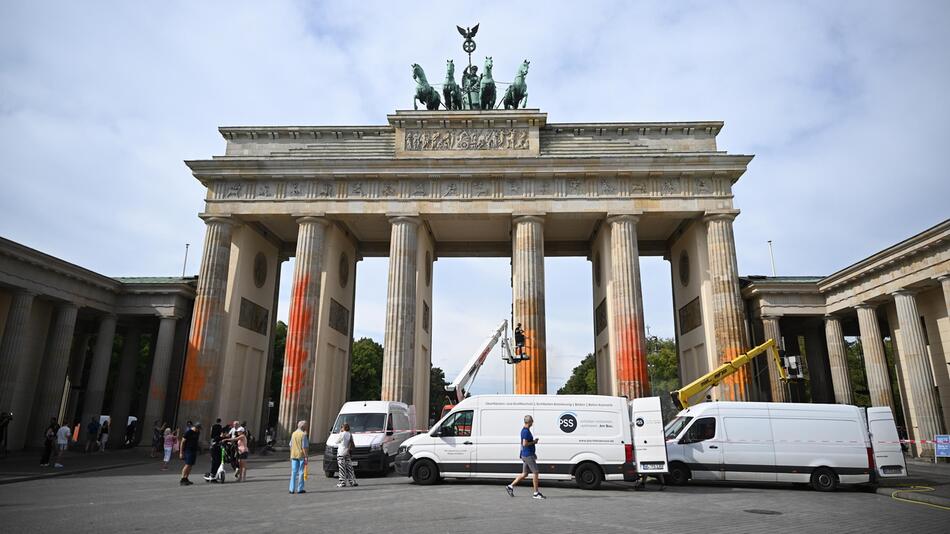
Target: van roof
773	406
372	406
540	400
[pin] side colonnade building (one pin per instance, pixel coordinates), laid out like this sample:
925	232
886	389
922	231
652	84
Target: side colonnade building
59	326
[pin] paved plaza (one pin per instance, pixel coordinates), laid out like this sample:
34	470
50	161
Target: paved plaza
142	498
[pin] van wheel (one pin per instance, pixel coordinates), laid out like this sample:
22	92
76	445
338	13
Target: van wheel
425	472
824	479
679	474
588	476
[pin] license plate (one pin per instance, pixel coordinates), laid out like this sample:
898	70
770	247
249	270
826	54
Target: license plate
652	466
353	464
892	470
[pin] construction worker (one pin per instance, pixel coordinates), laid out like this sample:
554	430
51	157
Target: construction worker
519	340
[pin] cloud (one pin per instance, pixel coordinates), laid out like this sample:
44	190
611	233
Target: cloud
843	104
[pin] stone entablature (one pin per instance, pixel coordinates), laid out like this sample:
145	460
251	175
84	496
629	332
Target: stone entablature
785	296
920	259
24	268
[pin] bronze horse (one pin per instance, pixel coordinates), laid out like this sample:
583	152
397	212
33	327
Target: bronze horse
487	86
517	92
451	90
424	92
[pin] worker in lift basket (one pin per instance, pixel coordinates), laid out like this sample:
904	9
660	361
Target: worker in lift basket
519	340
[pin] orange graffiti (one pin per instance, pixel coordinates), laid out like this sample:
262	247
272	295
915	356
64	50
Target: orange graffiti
301	317
736	386
196	375
633	380
531	375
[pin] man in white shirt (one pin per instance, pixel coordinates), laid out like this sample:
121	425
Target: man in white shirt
344	465
62	442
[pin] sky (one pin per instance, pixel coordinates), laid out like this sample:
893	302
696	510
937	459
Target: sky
843	104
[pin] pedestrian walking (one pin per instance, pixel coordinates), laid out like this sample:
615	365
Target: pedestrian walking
156	439
92	434
215	431
5	418
188	451
49	441
104	435
299	456
343	463
168	442
529	459
62	443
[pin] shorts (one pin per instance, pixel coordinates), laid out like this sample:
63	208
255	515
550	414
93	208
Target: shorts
190	456
530	464
242	456
62	446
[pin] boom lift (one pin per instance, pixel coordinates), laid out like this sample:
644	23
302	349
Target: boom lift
458	389
681	396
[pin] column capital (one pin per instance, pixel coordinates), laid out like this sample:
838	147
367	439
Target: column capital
831	317
865	306
945	279
67	304
528	217
312	219
169	315
904	292
724	215
623	217
405	219
772	317
219	219
24	292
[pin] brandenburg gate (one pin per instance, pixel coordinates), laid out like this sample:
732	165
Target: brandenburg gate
459	183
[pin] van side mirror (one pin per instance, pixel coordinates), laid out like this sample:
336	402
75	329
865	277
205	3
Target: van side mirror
389	432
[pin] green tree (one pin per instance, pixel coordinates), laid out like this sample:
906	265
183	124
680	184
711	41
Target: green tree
277	370
437	395
583	379
366	370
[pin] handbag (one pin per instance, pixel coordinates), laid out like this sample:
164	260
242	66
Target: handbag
306	471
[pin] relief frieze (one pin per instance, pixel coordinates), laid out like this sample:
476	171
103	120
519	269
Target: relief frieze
447	139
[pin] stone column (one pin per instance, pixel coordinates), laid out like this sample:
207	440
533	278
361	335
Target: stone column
875	361
13	345
399	339
124	386
838	360
771	330
155	405
915	363
300	354
727	305
527	283
77	363
945	282
626	335
206	343
52	379
99	371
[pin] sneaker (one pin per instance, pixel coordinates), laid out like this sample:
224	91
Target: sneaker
44	465
302	491
186	482
354	484
341	485
58	466
510	490
537	495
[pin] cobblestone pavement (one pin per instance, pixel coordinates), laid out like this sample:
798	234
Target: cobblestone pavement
142	498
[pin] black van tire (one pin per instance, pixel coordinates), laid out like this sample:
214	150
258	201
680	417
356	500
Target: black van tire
588	476
425	472
824	479
679	474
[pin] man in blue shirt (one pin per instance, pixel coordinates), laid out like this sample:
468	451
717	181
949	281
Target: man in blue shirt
528	458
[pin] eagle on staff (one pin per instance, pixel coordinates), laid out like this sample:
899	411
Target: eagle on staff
468	33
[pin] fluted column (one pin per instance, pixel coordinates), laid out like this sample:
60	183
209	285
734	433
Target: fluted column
838	360
124	385
206	342
13	345
99	371
772	330
875	361
527	284
915	365
77	363
52	378
300	354
627	337
161	361
400	336
727	304
945	283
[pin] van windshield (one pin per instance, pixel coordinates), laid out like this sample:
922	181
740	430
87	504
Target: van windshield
360	422
674	427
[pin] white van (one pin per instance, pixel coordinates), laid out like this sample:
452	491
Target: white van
585	437
378	428
821	444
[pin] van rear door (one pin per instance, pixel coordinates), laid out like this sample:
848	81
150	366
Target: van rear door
888	457
649	444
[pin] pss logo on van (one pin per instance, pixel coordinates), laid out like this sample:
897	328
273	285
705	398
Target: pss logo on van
568	422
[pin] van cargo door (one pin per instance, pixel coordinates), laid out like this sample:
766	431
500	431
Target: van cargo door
649	444
888	456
